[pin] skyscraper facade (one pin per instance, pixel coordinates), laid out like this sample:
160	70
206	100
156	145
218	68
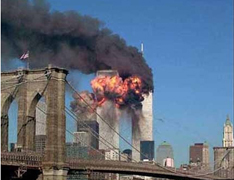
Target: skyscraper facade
74	150
41	118
142	125
228	133
108	117
83	138
90	131
164	151
147	150
199	154
224	156
40	143
40	138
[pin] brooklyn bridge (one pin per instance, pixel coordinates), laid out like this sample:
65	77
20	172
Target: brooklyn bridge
28	87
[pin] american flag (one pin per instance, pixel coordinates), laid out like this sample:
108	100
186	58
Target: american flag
25	56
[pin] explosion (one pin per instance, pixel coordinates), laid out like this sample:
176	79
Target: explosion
66	39
122	92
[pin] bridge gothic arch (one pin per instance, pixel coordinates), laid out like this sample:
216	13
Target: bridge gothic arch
5	105
28	87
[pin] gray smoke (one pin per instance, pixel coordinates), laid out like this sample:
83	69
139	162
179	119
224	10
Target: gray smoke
66	39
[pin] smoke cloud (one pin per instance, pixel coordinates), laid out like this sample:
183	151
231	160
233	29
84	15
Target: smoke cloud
84	105
67	40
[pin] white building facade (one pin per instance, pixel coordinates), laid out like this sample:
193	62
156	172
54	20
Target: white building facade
228	133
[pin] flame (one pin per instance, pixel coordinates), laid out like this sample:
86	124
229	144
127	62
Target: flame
101	101
116	89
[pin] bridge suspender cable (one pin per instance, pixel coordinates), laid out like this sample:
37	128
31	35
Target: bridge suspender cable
73	135
174	171
217	162
102	118
31	119
96	135
112	127
20	83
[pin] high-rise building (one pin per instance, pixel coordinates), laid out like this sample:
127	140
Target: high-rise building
41	118
129	153
168	162
82	138
40	141
112	154
147	124
142	125
90	129
164	151
40	138
74	150
12	147
228	133
147	150
199	155
224	156
108	113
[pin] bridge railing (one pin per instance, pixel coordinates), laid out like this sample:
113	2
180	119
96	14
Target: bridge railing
33	160
21	159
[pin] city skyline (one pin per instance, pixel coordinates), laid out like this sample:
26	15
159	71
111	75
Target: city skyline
202	86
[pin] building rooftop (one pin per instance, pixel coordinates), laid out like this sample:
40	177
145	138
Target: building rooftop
164	143
228	122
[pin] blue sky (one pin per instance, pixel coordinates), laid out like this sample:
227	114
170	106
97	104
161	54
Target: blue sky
189	46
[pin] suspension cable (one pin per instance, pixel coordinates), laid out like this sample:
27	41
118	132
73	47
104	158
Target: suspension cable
96	135
73	135
113	128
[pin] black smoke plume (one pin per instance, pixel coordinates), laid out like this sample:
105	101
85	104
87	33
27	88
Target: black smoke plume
67	40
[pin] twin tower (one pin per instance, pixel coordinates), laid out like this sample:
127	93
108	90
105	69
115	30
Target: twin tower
142	125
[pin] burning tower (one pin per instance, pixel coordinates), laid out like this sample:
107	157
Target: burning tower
108	111
142	127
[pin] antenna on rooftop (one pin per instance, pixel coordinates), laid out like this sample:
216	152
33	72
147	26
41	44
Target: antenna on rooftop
142	48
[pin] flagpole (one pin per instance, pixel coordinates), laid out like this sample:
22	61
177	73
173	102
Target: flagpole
28	61
25	56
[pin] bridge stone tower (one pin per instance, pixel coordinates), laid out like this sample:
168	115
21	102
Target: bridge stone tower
27	87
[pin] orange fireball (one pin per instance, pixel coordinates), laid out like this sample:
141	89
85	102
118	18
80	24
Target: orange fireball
114	88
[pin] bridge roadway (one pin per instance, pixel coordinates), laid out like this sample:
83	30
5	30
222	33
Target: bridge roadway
34	161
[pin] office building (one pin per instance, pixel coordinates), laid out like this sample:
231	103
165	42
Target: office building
224	156
168	162
142	125
228	133
74	150
82	138
41	118
108	112
40	141
147	150
13	147
90	132
129	153
164	151
112	154
199	155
